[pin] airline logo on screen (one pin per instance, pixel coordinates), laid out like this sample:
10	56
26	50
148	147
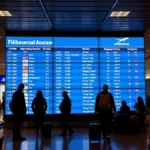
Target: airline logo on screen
122	41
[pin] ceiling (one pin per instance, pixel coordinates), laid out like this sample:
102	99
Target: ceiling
74	15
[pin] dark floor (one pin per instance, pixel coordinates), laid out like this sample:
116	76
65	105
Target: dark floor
79	141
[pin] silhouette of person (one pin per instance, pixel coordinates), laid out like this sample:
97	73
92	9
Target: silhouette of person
3	105
104	106
140	106
65	108
141	112
39	107
18	108
124	108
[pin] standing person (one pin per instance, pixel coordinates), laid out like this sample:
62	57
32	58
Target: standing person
18	108
65	108
39	107
3	105
141	111
105	106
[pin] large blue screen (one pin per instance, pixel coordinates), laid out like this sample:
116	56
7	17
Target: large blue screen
79	65
122	68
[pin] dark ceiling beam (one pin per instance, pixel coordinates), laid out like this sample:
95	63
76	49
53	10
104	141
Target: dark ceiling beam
76	33
46	14
108	14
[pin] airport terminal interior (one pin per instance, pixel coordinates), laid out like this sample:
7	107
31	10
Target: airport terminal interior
75	75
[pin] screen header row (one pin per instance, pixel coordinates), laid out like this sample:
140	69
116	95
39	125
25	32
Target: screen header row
74	42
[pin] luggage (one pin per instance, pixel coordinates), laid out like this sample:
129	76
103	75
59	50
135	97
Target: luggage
121	123
134	125
46	129
126	124
94	131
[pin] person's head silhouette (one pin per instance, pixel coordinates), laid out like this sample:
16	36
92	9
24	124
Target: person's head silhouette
105	88
65	94
21	87
39	94
140	100
124	103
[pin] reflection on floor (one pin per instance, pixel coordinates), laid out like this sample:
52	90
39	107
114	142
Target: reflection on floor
79	141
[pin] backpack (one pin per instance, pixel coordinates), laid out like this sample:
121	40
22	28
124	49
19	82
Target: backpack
104	101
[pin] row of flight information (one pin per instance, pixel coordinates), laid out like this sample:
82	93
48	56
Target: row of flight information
78	65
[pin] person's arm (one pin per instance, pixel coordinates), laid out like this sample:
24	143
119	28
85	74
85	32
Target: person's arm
70	105
145	108
113	103
33	105
120	110
12	105
61	105
45	105
96	103
24	103
135	105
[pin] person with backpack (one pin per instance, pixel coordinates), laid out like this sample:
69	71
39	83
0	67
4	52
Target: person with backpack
18	108
105	106
39	107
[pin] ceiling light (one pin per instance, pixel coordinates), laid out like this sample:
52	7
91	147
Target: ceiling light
120	13
5	13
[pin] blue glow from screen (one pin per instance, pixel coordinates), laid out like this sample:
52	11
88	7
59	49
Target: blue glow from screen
79	65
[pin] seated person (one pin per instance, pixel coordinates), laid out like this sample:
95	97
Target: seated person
124	108
122	119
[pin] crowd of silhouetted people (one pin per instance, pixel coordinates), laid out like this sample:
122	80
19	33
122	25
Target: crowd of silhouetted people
105	110
39	107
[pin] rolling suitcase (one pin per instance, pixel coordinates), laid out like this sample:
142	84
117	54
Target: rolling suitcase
46	129
94	131
134	125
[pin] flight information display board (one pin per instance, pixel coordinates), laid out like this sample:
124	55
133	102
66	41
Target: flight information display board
78	65
76	70
122	68
29	61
